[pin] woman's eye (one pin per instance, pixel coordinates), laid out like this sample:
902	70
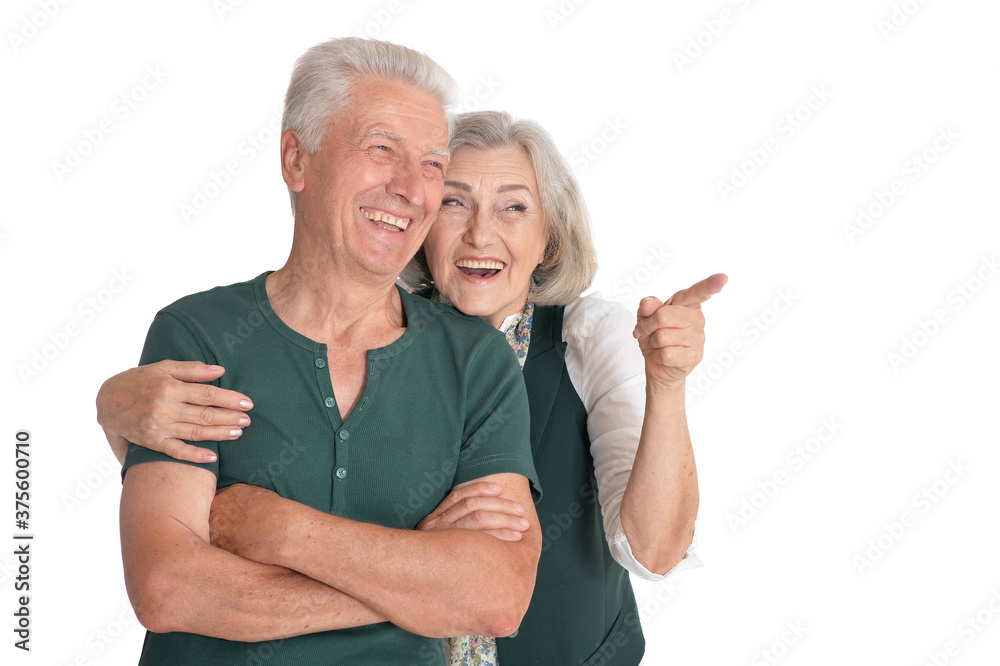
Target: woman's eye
451	202
517	207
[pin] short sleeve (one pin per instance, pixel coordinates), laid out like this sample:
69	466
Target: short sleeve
608	372
496	437
170	338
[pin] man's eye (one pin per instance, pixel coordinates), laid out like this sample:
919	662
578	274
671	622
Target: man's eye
451	202
385	148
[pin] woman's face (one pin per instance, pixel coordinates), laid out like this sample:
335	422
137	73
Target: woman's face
489	234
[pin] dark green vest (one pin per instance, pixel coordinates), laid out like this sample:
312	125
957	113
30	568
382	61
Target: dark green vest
583	610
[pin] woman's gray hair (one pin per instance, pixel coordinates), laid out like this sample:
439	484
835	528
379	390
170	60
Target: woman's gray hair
570	262
322	78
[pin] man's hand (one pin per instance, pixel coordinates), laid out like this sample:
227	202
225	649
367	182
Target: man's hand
155	406
672	334
244	520
475	505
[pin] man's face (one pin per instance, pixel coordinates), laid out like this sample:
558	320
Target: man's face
372	189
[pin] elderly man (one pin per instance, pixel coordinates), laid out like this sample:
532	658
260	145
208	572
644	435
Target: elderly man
370	405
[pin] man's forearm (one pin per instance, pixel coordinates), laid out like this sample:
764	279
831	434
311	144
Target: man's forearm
248	601
177	581
424	582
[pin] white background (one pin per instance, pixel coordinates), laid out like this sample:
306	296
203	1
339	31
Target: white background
662	134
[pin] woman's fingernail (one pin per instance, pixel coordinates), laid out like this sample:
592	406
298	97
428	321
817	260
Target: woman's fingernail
244	420
235	432
210	457
246	404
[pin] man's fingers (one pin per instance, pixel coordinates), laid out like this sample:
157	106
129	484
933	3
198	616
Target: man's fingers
468	506
699	292
177	449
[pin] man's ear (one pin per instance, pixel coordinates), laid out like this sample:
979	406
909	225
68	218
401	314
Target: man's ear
294	158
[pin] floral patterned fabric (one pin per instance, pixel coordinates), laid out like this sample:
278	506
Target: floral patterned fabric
482	650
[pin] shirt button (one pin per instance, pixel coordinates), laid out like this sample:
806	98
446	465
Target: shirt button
344	435
321	363
341	472
329	402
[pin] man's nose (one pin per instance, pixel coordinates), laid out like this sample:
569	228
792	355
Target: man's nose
407	182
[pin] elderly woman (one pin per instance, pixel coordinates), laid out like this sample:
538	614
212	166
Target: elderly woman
512	244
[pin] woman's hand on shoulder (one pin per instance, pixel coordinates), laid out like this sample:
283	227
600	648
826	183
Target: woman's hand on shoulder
160	404
671	334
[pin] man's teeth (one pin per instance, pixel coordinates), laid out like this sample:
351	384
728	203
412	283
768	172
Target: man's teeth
378	216
470	263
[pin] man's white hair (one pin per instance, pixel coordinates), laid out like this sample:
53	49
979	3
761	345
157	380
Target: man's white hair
324	75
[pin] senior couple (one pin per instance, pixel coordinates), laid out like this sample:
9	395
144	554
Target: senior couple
388	493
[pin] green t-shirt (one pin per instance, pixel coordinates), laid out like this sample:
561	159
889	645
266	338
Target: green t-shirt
443	404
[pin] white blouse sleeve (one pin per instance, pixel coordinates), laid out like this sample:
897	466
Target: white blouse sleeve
606	367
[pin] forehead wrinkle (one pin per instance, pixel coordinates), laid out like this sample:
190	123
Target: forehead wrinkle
457	185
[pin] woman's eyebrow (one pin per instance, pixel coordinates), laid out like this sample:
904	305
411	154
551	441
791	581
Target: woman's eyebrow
512	186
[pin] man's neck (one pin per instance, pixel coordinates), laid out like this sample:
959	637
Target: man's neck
326	304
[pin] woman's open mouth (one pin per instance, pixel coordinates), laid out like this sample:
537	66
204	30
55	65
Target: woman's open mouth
479	268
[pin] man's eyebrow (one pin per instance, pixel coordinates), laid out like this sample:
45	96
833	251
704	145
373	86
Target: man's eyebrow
392	136
389	135
461	186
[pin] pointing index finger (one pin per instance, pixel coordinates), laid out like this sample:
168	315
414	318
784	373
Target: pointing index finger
699	292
